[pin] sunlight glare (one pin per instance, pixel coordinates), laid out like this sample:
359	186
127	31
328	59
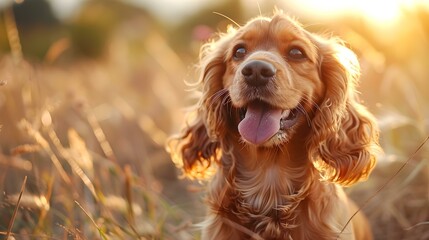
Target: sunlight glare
378	11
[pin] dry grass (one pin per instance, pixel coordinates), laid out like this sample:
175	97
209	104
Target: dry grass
89	138
91	160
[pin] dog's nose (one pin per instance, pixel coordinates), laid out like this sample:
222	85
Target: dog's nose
258	73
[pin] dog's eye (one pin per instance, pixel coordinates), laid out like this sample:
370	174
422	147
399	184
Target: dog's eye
296	53
240	52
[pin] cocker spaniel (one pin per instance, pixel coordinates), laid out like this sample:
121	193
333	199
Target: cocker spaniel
277	131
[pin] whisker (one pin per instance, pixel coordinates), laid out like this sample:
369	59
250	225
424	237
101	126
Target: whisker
259	8
312	104
315	107
307	117
217	96
223	96
226	101
228	18
285	152
319	109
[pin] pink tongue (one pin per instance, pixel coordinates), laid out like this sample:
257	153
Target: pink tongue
260	123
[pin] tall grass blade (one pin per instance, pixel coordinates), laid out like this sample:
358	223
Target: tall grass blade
12	220
13	35
102	234
385	184
45	145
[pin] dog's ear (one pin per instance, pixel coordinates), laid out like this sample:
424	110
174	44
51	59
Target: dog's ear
344	142
199	145
193	151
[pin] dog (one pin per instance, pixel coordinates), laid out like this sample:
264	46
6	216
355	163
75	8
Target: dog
277	131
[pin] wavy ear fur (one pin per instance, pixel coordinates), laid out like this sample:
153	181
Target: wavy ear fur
345	135
193	150
200	142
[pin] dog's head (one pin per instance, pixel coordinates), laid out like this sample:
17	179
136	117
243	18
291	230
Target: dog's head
270	82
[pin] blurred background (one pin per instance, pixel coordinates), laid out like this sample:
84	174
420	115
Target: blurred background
90	90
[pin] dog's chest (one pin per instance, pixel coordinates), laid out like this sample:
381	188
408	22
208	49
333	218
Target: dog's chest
266	201
263	191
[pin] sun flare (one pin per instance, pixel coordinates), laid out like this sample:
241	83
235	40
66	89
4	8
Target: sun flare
377	11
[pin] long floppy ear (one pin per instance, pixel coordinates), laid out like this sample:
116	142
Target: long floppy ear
194	151
199	144
344	143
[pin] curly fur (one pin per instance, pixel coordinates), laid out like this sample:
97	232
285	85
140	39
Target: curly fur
289	188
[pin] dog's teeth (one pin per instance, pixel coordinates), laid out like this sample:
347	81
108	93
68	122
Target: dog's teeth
285	113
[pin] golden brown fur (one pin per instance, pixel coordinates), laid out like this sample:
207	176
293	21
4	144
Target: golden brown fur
286	187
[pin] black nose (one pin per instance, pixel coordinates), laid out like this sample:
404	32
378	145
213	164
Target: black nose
258	73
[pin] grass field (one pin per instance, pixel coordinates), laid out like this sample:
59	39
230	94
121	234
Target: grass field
82	140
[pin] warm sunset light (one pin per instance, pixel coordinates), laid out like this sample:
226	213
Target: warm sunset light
143	119
378	11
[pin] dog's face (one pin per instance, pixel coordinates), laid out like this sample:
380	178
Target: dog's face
272	84
272	76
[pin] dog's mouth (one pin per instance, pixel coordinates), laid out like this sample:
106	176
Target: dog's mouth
260	122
